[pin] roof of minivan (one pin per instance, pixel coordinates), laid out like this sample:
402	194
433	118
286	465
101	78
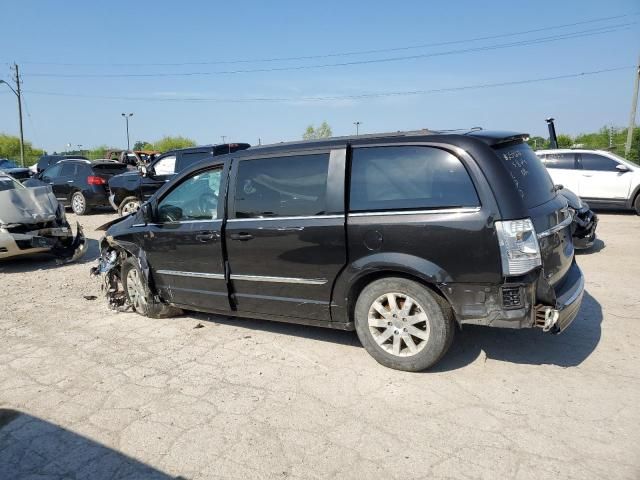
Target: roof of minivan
487	137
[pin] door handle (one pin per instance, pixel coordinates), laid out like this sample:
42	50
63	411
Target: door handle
242	236
290	229
205	237
69	181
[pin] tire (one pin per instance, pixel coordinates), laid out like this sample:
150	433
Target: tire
129	205
79	204
636	204
138	294
388	339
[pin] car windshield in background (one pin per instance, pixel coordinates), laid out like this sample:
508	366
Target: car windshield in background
4	163
528	173
8	183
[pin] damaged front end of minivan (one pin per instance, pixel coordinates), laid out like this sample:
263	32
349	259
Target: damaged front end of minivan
32	221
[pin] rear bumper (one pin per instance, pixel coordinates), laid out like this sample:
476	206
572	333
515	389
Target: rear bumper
569	298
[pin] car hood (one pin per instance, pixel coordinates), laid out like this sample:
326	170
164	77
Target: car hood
14	170
28	205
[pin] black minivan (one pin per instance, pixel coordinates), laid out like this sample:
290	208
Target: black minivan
399	236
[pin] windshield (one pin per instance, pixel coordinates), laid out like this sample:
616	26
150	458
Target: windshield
8	183
529	175
4	163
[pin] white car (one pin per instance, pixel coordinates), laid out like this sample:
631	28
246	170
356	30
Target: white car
602	178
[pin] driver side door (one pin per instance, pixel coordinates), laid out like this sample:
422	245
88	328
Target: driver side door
184	244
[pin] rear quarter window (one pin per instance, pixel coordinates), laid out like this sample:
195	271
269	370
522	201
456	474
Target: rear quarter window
110	169
408	178
528	175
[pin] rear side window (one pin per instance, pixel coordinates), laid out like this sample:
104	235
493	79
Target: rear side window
68	170
528	174
560	160
110	168
592	161
401	178
282	186
187	159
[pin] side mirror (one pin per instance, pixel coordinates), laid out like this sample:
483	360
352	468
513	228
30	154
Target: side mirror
147	212
622	168
558	187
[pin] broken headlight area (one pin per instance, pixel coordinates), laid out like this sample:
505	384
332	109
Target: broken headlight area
55	236
584	228
108	268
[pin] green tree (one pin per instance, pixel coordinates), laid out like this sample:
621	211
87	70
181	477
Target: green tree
564	141
323	131
171	143
142	145
10	148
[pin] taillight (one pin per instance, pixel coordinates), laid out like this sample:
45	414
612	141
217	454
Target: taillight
519	247
93	180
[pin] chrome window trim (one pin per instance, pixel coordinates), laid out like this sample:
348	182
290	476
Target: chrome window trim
260	278
175	223
416	212
556	228
284	218
215	276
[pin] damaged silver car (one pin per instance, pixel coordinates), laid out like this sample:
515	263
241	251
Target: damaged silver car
32	221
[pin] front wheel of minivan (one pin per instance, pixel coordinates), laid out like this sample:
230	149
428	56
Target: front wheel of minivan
403	324
138	294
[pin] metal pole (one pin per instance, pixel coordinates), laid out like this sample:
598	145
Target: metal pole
19	95
128	143
632	116
357	124
553	138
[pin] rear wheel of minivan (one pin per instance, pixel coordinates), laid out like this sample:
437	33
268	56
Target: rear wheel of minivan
403	324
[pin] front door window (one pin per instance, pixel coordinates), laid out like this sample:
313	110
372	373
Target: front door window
194	199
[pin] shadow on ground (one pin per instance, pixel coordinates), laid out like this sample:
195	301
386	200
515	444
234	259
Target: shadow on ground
597	246
527	346
34	448
45	261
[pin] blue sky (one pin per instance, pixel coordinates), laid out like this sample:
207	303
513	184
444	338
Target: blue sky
94	37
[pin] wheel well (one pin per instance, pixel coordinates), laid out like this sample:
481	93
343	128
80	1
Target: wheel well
361	283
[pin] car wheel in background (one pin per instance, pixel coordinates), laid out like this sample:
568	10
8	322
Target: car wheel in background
636	204
403	324
79	203
129	205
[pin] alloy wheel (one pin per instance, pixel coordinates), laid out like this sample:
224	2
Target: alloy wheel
135	290
398	324
130	207
77	203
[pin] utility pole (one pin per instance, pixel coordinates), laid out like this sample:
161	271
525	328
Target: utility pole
18	95
357	124
632	116
126	118
610	136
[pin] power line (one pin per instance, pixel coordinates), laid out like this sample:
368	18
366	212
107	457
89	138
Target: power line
338	97
339	54
540	40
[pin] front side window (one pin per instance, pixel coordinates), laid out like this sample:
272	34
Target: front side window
592	161
68	170
282	186
196	198
52	172
165	166
560	160
408	178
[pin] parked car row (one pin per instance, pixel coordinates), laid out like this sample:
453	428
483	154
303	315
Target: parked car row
401	237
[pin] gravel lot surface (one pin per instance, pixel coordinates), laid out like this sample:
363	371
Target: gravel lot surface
89	393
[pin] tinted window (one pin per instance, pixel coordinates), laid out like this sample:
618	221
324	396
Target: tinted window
68	170
397	178
560	160
592	161
109	168
282	187
52	172
189	158
7	183
196	198
529	176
